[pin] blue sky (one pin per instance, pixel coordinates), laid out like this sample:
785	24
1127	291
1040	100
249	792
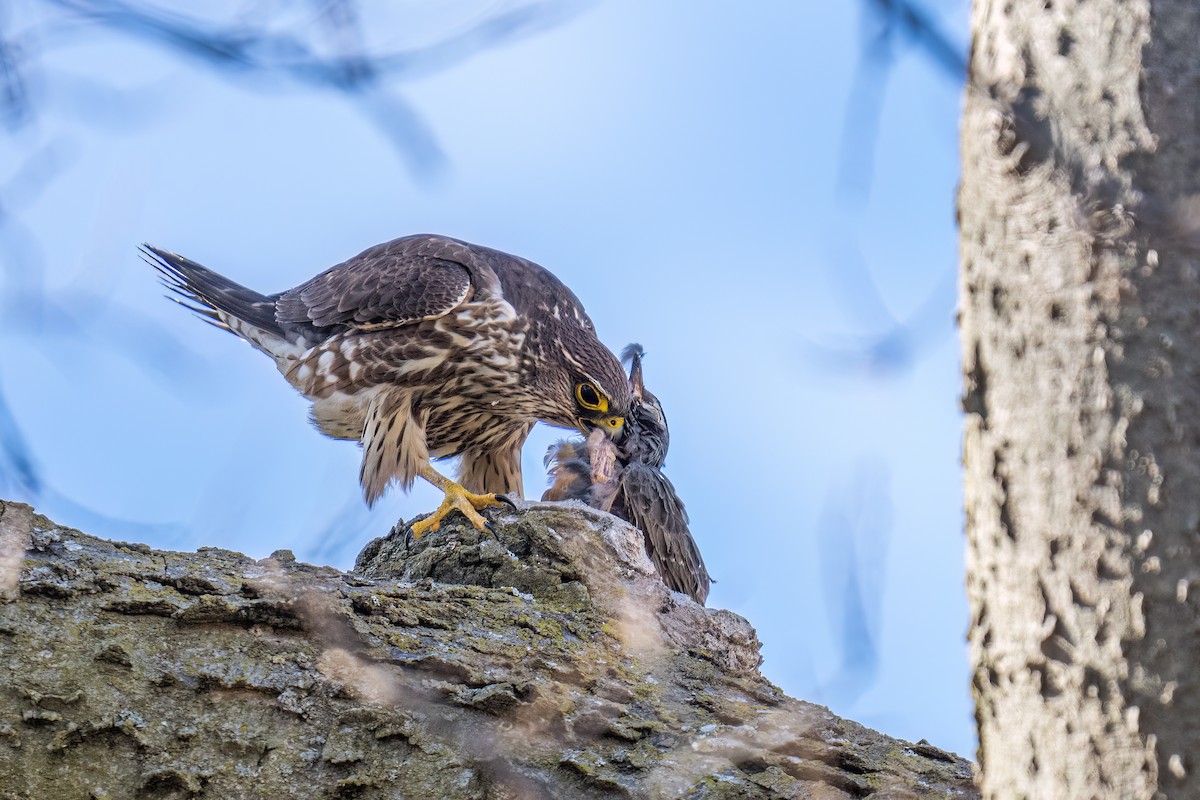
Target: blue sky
675	164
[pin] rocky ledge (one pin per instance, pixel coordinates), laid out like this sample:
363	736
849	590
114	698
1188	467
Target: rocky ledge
544	660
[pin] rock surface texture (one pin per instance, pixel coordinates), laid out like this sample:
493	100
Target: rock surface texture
546	661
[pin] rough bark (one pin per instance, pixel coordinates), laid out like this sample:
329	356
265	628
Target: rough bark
1080	300
547	661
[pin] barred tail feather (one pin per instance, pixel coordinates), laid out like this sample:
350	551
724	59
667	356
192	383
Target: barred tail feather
209	294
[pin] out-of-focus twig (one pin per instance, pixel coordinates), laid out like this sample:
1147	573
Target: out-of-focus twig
330	54
17	470
916	25
856	527
886	344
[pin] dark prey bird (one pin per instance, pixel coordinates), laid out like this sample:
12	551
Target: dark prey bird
626	479
426	347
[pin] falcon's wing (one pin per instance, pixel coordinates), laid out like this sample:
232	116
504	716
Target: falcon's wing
393	284
652	506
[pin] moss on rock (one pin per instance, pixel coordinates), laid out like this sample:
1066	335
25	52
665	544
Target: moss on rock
544	661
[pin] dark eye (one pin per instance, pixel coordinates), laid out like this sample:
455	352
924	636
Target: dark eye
589	398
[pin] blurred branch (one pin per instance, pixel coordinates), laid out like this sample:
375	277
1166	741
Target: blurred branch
17	471
1033	131
14	99
856	527
19	191
884	344
915	24
98	321
886	25
264	48
331	54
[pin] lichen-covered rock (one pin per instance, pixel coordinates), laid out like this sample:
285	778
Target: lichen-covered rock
544	661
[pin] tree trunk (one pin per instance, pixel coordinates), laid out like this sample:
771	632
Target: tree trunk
546	661
1080	300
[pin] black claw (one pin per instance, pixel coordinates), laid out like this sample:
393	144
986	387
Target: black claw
492	530
503	498
401	528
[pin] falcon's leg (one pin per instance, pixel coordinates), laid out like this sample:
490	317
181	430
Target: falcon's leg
457	498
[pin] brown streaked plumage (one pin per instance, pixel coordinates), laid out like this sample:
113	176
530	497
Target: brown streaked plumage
626	479
425	347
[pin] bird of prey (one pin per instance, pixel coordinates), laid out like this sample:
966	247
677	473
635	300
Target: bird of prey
625	478
426	347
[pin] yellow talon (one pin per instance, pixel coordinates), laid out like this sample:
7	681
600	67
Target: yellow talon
457	498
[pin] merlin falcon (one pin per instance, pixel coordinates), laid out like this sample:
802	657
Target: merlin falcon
626	479
426	347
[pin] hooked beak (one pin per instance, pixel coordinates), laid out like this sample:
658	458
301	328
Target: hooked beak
612	426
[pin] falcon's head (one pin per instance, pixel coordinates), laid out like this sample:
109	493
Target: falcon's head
601	394
575	381
593	390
